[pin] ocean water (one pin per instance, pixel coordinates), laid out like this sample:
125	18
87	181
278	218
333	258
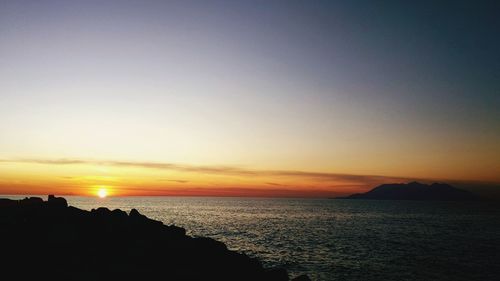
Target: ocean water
340	239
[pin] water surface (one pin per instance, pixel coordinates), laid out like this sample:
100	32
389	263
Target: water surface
340	239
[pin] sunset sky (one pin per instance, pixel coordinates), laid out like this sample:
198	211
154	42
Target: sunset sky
254	98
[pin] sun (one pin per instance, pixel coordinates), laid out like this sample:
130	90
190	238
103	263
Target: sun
102	193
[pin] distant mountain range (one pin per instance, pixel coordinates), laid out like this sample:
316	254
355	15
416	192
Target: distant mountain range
415	191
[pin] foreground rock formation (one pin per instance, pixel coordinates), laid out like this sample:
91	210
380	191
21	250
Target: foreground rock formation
50	240
415	191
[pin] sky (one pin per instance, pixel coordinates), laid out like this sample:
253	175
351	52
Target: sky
247	98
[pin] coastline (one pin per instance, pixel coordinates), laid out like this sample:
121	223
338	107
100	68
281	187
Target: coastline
104	244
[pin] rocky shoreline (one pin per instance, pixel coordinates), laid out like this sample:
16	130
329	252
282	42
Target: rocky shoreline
72	244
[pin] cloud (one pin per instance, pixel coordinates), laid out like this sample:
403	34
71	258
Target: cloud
219	170
62	161
177	181
274	184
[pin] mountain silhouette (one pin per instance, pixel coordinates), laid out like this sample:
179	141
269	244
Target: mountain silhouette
415	191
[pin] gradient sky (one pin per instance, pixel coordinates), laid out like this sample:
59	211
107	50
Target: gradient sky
258	98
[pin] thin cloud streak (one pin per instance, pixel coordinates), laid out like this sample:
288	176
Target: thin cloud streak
177	181
218	170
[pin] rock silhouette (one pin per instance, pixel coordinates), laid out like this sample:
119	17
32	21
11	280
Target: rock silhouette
415	191
50	240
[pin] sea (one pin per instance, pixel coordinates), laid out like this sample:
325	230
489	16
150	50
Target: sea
339	239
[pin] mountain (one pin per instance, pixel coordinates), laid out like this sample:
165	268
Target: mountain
415	191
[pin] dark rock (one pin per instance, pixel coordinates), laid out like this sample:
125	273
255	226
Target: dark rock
56	202
118	214
31	201
7	202
277	274
301	278
101	211
135	214
211	244
111	245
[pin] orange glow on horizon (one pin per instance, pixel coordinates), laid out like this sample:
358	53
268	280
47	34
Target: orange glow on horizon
64	177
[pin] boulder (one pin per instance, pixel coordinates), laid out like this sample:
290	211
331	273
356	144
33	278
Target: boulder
57	202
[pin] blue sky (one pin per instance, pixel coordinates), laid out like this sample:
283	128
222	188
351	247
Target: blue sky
357	87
